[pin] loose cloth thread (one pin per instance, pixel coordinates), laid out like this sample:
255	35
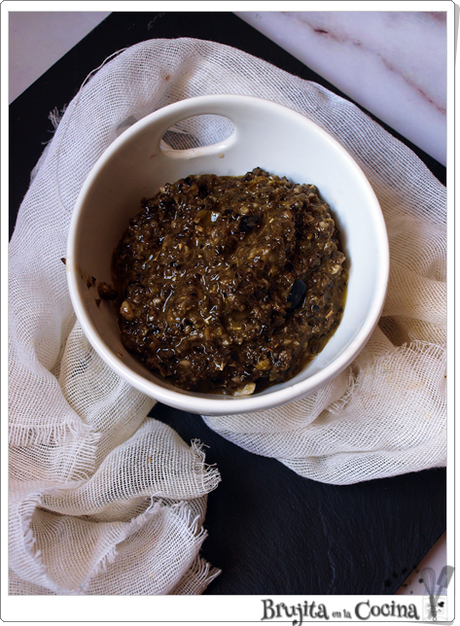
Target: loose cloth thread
121	495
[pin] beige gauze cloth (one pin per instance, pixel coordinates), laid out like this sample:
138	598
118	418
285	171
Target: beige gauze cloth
104	500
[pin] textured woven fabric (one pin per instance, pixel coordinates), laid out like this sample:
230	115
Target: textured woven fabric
96	487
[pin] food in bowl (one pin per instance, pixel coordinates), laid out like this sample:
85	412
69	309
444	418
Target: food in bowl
229	283
283	142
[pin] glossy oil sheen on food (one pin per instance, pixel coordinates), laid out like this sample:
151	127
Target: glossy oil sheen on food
229	283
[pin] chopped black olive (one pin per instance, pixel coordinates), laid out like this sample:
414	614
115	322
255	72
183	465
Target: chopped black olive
203	191
249	223
297	294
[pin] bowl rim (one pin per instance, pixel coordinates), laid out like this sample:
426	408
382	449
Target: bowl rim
227	405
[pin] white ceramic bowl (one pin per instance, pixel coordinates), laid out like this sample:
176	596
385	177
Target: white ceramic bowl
265	135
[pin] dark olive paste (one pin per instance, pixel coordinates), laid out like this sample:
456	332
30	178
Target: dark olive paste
229	283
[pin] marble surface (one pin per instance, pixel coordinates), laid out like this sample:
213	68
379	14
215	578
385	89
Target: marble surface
40	38
393	63
381	60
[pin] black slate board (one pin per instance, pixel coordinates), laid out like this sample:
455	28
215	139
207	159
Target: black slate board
270	531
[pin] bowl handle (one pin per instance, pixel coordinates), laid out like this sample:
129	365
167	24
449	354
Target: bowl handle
233	107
